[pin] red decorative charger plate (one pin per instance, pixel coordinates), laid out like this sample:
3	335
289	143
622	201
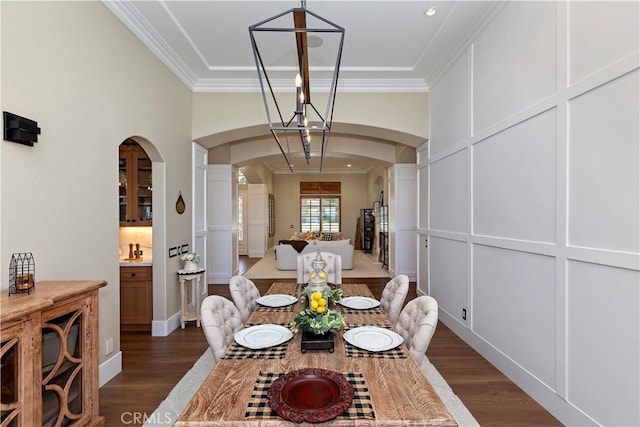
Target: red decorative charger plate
310	395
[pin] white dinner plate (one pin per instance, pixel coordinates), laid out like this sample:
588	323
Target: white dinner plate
262	336
277	300
372	338
359	303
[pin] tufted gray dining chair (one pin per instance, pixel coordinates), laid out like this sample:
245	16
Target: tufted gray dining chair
333	267
393	296
220	320
417	323
244	294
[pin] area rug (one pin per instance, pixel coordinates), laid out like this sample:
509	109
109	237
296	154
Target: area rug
363	267
173	405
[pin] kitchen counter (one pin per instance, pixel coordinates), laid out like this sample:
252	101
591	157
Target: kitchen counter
143	262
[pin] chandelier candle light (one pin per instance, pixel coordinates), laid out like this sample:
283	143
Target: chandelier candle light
276	64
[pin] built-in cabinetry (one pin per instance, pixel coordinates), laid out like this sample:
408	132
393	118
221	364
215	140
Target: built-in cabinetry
49	350
136	298
135	185
367	229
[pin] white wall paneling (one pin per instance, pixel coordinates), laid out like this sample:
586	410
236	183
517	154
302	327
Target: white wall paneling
222	263
514	62
534	209
422	283
451	95
257	206
591	51
403	209
513	292
448	266
449	193
603	206
514	181
604	326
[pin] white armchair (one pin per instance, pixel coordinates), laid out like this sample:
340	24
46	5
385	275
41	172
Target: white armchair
244	294
393	296
220	320
333	267
417	323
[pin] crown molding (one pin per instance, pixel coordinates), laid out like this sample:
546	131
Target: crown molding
129	15
320	85
140	27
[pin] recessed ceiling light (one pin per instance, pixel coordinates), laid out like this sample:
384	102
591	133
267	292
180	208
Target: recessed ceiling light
431	11
348	165
314	41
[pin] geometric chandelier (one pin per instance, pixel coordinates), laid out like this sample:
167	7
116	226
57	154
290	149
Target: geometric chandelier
296	51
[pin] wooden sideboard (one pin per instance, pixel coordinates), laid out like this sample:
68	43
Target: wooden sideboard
49	349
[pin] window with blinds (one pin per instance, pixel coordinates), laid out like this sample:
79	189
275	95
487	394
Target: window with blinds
320	207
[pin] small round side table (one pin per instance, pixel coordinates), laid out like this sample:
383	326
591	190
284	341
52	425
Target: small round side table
185	314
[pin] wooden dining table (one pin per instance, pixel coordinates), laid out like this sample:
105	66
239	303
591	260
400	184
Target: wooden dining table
390	388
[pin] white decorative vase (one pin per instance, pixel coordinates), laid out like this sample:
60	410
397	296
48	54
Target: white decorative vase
190	266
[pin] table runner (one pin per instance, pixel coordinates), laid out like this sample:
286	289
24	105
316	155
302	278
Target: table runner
361	406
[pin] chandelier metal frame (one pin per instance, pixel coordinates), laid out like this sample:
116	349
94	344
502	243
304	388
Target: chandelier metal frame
297	125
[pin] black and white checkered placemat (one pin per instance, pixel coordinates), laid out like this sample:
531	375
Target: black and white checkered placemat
353	351
265	309
361	406
236	351
347	310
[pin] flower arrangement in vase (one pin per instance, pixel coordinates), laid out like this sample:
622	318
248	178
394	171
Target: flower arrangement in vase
191	261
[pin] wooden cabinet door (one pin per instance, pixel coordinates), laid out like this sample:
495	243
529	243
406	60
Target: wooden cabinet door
69	362
135	185
136	296
19	380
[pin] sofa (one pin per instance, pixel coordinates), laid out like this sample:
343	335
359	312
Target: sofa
286	255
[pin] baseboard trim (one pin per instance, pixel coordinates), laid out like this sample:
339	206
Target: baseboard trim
109	369
564	411
162	328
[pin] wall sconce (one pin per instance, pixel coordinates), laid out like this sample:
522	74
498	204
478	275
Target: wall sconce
19	129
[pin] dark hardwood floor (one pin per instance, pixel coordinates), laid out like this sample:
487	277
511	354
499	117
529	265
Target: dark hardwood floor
153	365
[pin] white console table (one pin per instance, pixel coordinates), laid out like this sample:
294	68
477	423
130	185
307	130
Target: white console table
191	277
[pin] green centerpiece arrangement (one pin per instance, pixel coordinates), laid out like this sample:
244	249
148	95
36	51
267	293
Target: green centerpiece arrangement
317	318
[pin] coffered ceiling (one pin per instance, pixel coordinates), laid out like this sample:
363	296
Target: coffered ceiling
390	46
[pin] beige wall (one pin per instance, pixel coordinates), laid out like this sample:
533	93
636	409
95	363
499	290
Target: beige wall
90	84
403	112
287	194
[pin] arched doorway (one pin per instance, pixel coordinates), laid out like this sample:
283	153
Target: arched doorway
141	233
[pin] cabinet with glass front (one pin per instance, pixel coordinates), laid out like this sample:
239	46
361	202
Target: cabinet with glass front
135	185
